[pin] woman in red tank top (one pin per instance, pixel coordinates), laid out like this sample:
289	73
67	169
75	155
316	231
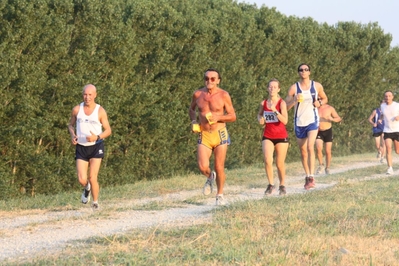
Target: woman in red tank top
273	116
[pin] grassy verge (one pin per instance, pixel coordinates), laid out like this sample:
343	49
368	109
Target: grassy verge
353	223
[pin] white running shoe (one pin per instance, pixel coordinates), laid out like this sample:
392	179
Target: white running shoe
86	193
208	187
220	201
390	171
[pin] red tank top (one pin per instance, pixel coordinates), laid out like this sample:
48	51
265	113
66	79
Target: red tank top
274	129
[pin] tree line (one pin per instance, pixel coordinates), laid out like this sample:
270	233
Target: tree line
146	58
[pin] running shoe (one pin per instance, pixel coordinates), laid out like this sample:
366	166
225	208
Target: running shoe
208	187
306	186
319	169
327	171
390	171
269	190
382	160
282	190
311	182
95	206
86	193
220	201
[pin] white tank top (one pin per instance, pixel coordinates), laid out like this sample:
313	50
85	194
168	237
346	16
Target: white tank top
390	112
86	123
305	112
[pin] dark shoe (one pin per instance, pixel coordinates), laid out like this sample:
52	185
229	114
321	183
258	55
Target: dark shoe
282	190
269	190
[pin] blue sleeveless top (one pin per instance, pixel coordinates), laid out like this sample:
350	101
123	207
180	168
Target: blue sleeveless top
380	127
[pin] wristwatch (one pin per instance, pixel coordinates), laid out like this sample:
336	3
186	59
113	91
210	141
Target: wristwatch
98	137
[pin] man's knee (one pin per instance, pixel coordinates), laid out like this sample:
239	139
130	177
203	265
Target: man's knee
219	166
202	168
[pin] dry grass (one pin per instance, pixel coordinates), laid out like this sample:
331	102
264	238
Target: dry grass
353	223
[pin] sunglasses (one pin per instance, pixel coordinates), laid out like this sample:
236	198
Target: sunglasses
303	70
212	79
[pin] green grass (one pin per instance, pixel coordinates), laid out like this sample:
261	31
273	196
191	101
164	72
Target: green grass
352	223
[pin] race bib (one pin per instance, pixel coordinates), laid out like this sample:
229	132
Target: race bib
270	117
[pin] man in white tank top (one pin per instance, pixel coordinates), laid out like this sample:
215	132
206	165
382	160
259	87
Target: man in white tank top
307	95
89	119
390	115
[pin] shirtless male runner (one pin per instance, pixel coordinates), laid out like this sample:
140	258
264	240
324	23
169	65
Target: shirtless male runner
327	115
307	95
215	108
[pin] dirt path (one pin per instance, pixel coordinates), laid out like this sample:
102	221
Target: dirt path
26	234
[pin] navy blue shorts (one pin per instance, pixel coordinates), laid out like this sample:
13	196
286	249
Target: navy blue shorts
86	153
302	132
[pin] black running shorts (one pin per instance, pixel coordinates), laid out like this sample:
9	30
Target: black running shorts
86	153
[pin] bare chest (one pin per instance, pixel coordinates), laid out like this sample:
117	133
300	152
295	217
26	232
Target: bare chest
210	102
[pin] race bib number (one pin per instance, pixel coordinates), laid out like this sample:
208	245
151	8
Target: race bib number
270	117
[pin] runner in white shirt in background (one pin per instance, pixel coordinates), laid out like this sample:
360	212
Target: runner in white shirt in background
390	115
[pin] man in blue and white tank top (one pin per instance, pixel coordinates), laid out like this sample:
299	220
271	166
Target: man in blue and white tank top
306	95
378	132
90	119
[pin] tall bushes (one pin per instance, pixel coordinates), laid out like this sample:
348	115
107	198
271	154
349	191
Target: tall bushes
146	59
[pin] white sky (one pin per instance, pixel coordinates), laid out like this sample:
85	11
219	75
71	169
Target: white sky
384	12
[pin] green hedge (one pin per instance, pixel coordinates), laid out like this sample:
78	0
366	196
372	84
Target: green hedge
146	59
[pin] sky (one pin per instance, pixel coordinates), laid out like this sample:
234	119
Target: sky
384	12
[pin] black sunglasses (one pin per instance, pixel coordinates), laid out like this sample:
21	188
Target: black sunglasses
303	70
213	79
